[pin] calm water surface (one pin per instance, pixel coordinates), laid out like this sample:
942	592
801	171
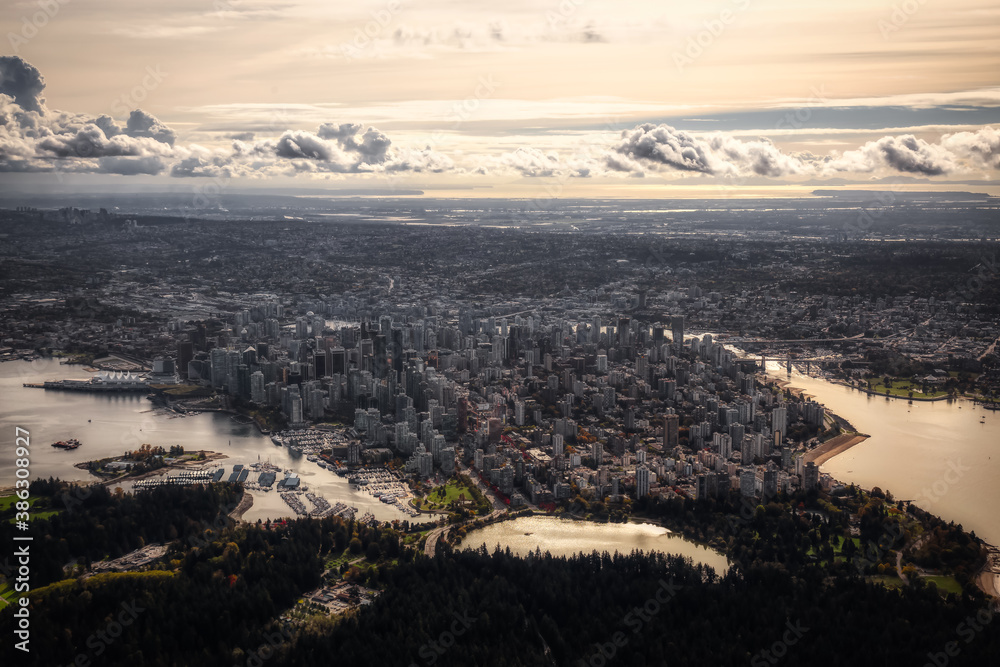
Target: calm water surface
110	424
564	537
937	453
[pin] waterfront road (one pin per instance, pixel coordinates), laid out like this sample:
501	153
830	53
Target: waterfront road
430	546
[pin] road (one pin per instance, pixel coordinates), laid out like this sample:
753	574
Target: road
486	491
899	556
430	546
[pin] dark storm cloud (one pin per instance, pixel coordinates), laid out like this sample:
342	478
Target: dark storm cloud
21	81
130	166
142	124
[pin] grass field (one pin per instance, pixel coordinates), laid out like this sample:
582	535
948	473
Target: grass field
887	580
453	490
7	504
902	388
838	550
7	591
945	584
334	562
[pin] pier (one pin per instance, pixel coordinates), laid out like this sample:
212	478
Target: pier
85	385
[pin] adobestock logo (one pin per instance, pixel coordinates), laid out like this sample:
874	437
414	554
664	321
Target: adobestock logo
432	651
703	39
30	25
365	35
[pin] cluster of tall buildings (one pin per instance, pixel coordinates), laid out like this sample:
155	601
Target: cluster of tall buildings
543	406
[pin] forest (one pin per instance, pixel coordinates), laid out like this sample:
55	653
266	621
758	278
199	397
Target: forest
223	590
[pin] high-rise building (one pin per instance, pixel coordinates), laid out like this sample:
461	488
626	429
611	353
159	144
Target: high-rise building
437	447
220	373
558	448
623	332
770	482
448	461
641	481
748	482
810	477
295	411
707	485
722	444
425	463
779	423
677	330
671	431
185	353
257	387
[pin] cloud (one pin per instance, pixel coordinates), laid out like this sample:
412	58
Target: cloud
37	139
905	153
714	154
373	145
130	166
22	82
166	31
661	147
419	41
982	146
335	147
532	162
142	124
338	131
419	161
34	138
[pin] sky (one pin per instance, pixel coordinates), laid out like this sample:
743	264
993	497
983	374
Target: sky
570	98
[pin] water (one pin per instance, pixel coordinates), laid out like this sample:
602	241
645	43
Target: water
110	424
563	537
936	453
909	453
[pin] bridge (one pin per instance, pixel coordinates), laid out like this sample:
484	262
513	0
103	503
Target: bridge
738	340
788	360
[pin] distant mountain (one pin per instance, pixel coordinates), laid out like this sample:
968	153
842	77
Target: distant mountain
894	194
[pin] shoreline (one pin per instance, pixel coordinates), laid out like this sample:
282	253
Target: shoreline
835	446
842	383
987	580
210	456
246	502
